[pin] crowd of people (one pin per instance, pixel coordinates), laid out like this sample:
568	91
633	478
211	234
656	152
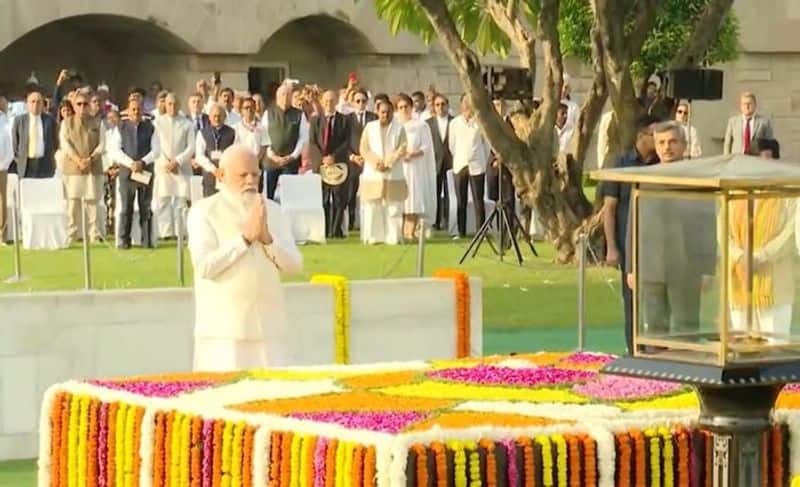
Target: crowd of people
389	155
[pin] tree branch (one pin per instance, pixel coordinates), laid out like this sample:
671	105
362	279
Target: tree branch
593	106
467	64
506	18
547	30
643	23
705	31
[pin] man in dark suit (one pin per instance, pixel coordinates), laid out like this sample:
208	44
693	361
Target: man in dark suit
34	138
358	119
329	143
135	155
440	124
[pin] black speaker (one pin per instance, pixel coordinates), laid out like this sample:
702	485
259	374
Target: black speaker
508	83
693	84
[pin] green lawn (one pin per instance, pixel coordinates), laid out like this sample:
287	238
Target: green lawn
533	307
538	294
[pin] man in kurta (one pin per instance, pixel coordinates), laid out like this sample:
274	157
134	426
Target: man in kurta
82	143
173	167
240	244
383	184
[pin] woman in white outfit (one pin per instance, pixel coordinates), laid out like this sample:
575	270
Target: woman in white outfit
383	185
419	169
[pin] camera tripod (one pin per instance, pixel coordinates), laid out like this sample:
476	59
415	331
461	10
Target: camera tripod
504	219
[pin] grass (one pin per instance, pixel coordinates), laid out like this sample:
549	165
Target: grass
533	307
537	294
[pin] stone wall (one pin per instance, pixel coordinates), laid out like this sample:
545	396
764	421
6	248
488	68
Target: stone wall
47	338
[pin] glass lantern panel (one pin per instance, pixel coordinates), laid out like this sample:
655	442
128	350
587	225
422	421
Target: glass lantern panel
763	271
678	290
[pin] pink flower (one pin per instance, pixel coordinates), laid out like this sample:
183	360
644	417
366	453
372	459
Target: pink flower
589	358
614	388
385	422
154	388
535	376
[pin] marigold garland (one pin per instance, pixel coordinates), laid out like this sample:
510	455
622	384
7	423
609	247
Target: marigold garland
422	464
655	456
175	450
668	455
347	473
216	469
55	439
459	463
63	467
137	443
296	460
474	463
357	478
72	445
462	301
623	459
683	458
370	470
275	459
491	462
236	455
330	463
131	446
341	323
529	477
340	463
196	452
590	461
573	447
307	461
639	460
547	460
83	438
247	456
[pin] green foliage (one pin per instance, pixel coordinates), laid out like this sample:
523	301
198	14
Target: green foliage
676	19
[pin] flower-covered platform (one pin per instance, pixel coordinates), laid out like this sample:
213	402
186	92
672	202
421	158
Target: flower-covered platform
546	419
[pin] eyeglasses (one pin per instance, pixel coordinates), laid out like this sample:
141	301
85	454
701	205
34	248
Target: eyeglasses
360	100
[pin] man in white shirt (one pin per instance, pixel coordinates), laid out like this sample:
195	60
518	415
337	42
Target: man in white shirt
240	243
470	158
226	97
693	149
5	120
174	137
563	129
249	133
420	106
573	110
6	156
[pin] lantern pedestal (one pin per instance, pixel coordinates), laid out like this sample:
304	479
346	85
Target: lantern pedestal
735	407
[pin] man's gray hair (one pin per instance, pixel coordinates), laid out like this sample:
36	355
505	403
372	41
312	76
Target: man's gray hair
171	96
221	108
673	127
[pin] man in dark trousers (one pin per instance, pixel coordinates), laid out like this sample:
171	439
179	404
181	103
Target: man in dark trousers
616	205
440	125
211	141
135	155
288	132
34	138
358	119
329	141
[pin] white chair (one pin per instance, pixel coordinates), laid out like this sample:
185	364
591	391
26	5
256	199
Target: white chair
301	202
43	214
136	231
452	225
12	195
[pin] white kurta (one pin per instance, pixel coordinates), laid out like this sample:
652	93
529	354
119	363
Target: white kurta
420	172
382	218
175	137
240	309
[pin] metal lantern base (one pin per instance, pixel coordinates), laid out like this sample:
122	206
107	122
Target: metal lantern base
735	407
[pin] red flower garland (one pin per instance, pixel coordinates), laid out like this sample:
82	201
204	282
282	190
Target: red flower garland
247	456
358	466
158	450
491	462
440	456
463	331
369	467
776	436
275	459
55	440
590	461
